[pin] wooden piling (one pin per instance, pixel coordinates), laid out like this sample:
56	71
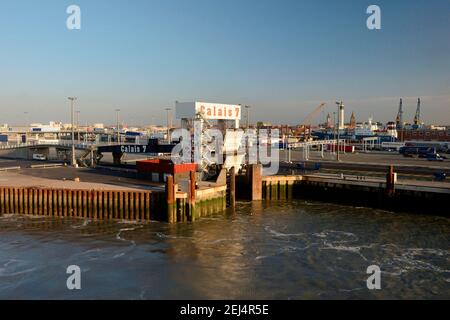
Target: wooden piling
233	187
50	202
274	190
72	199
170	199
35	202
90	204
84	205
59	212
16	201
390	182
142	206
2	200
126	205
44	202
94	214
121	206
191	197
116	205
282	190
100	204
64	203
7	206
290	190
132	205
21	201
75	202
256	182
111	208
148	197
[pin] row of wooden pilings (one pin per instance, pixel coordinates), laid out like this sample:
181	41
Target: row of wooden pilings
92	204
169	206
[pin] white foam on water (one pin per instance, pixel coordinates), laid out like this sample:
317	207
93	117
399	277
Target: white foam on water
169	236
280	234
118	235
84	224
295	248
13	268
5	273
129	222
328	233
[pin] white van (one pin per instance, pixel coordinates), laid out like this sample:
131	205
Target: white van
39	157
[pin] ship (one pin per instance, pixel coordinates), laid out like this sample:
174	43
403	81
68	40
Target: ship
360	132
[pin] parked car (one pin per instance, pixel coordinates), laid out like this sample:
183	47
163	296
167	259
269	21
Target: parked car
39	157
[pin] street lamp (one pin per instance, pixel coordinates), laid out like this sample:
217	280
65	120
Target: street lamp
72	100
168	125
118	125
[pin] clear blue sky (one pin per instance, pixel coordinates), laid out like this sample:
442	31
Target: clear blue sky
281	57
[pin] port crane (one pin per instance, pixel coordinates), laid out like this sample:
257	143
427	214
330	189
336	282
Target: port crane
417	116
306	123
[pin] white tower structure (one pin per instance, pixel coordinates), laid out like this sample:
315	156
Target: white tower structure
199	117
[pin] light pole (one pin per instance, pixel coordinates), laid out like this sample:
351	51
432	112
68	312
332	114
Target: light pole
72	100
118	125
248	116
168	125
78	125
27	126
340	105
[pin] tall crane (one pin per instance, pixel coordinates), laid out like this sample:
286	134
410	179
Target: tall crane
417	116
306	123
310	117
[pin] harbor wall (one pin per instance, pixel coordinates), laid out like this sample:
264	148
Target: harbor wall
90	204
390	194
401	197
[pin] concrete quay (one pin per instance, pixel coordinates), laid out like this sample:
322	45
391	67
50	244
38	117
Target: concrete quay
406	195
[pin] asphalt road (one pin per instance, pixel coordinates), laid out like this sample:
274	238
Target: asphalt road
380	158
86	175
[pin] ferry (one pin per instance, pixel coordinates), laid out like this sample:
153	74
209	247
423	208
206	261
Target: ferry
360	132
